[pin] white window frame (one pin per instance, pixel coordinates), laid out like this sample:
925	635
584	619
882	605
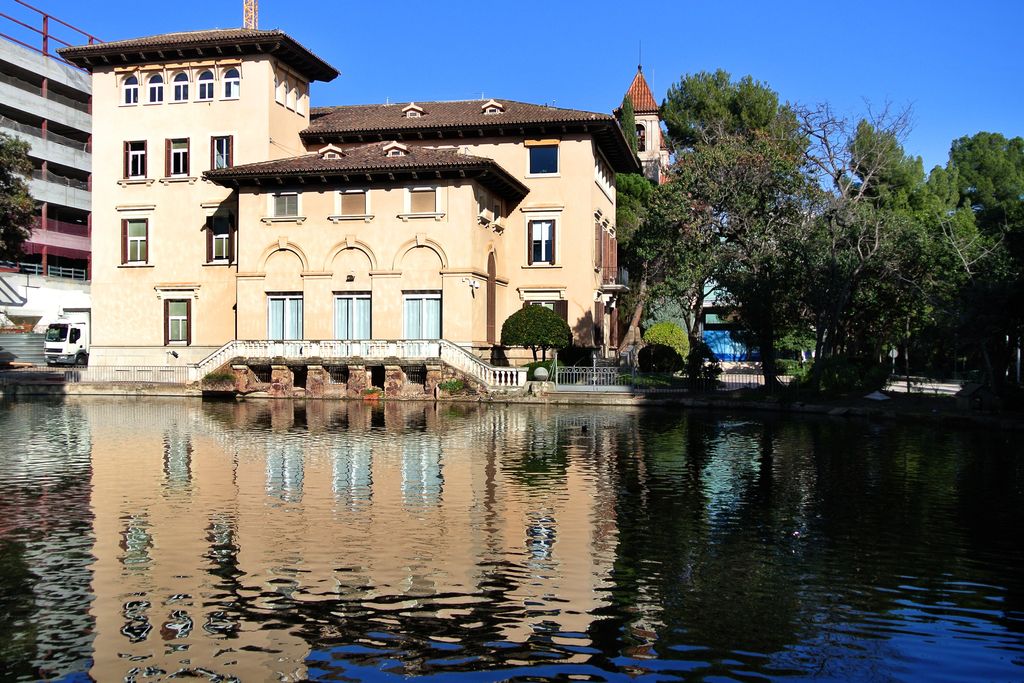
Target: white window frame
185	329
352	297
558	160
144	240
422	296
339	203
206	84
130	91
279	88
133	158
553	239
158	87
422	188
272	209
183	85
229	141
285	320
178	154
232	82
223	240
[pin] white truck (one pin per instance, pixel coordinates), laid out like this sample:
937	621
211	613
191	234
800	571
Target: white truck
67	339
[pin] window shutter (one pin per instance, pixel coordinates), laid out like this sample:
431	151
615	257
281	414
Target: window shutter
231	150
529	243
167	322
213	154
598	244
124	241
188	322
167	158
562	309
231	239
209	238
553	241
148	245
145	159
188	153
126	146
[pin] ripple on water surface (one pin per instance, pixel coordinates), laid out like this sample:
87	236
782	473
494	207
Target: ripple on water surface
145	540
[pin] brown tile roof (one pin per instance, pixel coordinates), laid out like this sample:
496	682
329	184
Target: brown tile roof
198	44
370	163
441	120
640	95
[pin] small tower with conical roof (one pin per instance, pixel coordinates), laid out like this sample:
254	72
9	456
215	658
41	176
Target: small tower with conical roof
651	146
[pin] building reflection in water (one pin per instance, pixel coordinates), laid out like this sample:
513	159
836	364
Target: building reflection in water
310	526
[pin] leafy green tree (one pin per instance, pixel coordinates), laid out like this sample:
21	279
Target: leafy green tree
627	118
989	174
16	204
536	327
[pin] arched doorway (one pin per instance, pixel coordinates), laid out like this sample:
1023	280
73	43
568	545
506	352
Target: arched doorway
492	298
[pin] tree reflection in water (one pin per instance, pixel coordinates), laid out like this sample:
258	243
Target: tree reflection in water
325	540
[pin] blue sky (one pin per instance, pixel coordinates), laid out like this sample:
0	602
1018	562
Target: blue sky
959	65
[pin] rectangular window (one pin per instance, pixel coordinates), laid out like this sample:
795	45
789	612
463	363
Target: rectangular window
353	203
541	247
135	159
560	306
284	316
352	316
134	240
422	200
544	160
221	151
423	315
177	326
177	157
220	240
286	204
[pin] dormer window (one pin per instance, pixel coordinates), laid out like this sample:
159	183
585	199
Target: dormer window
412	111
330	152
332	155
492	107
395	149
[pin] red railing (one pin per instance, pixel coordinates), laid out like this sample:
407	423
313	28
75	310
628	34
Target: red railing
46	37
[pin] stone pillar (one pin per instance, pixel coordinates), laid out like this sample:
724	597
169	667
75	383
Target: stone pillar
394	380
243	378
316	381
433	378
280	381
357	380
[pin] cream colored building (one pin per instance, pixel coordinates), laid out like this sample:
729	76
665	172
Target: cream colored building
225	207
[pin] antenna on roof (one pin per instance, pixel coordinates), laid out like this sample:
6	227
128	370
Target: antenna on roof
640	55
250	13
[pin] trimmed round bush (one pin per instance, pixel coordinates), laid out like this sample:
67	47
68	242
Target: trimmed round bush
659	358
535	327
668	334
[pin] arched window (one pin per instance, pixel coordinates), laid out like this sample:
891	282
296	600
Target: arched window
206	85
641	137
232	84
156	88
131	90
181	87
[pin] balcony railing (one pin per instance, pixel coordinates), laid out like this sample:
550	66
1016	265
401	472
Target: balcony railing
51	177
36	131
63	227
494	378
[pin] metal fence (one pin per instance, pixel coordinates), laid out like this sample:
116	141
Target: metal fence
574	378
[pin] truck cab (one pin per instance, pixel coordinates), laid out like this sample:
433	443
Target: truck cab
67	342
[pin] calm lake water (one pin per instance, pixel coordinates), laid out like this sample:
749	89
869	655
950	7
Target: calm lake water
149	539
